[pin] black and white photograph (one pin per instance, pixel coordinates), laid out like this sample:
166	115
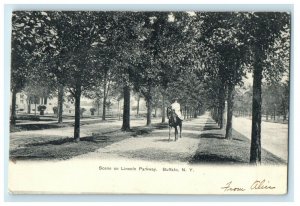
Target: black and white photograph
149	102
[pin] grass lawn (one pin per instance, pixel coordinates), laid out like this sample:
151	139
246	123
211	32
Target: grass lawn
52	147
214	149
54	124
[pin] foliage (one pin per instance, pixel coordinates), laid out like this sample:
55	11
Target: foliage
41	107
193	56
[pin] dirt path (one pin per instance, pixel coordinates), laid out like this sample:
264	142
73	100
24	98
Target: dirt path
155	146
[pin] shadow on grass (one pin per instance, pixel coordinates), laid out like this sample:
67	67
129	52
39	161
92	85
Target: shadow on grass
211	136
52	142
213	158
52	125
140	131
215	149
211	126
93	138
62	149
39	126
66	148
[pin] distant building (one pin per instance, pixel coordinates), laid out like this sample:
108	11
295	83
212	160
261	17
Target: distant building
25	104
29	104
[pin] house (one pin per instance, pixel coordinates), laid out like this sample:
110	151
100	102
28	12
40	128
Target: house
30	104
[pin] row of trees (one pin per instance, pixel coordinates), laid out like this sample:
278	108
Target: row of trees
275	101
198	57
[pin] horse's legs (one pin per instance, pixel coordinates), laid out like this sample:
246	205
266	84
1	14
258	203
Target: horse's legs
169	132
176	133
180	126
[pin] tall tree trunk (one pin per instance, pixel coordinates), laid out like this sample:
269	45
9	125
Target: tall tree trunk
138	105
13	116
213	113
221	106
29	105
77	113
35	99
60	103
104	97
230	102
148	97
155	111
98	108
126	109
187	113
104	108
119	109
195	113
149	110
163	117
255	150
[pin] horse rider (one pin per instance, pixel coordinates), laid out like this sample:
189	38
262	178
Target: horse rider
176	107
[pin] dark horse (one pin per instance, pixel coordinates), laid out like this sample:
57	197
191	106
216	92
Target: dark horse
174	121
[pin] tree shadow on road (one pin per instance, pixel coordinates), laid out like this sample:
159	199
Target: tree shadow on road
163	140
143	131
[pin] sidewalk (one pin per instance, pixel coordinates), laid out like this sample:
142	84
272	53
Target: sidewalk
155	146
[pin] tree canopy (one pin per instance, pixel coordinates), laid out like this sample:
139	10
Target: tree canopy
200	57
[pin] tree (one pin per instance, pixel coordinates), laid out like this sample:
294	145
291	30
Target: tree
147	78
22	46
95	94
275	98
263	29
243	100
225	36
32	34
128	35
76	63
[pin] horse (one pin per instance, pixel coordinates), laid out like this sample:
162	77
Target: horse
174	121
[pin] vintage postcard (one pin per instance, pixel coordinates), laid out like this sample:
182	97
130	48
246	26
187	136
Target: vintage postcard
115	102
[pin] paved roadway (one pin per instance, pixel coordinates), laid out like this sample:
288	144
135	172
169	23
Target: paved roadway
274	136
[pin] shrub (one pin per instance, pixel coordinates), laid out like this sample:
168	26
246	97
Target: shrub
55	110
92	110
42	108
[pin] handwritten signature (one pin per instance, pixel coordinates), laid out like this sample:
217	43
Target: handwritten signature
256	185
